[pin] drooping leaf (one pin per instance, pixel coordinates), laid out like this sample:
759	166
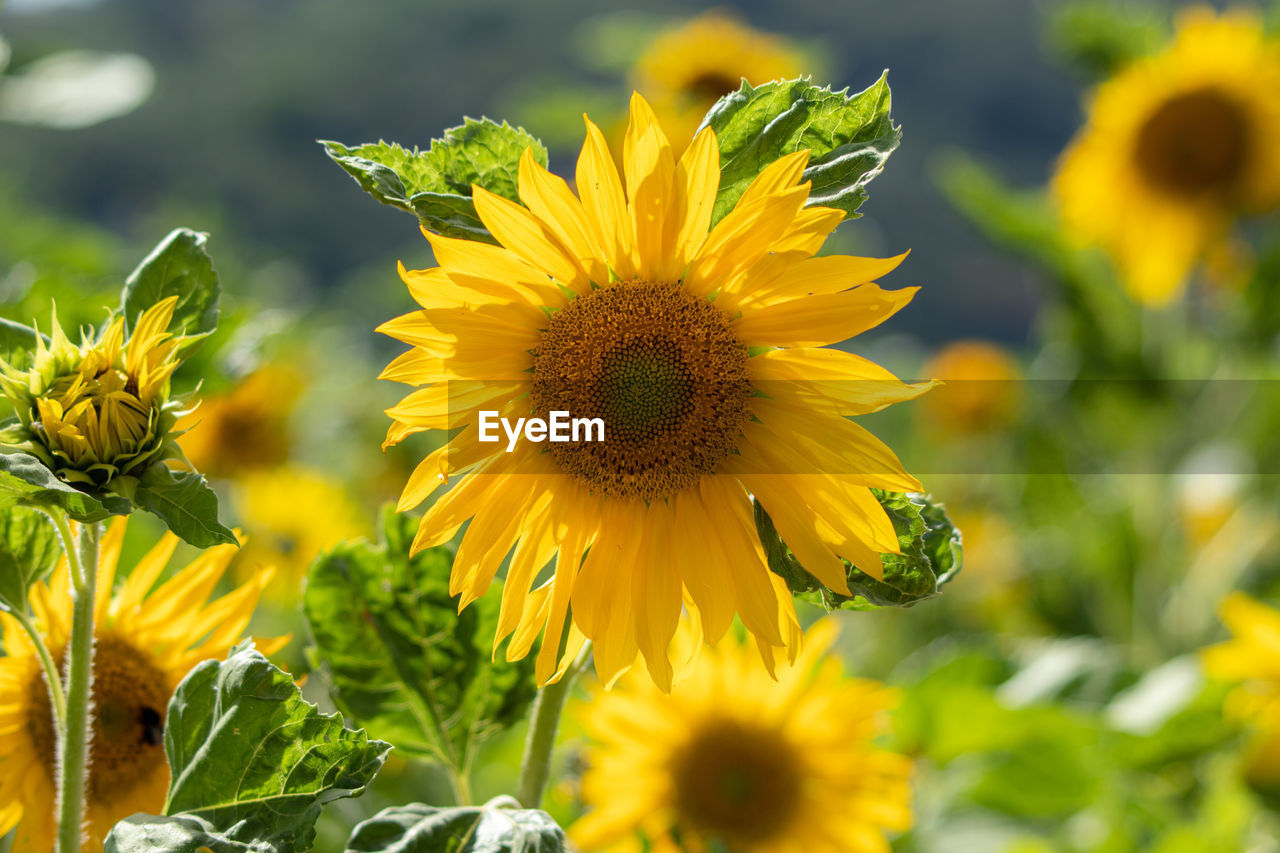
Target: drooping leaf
493	828
28	549
178	266
436	184
17	342
931	556
144	833
26	481
251	761
185	503
399	658
849	136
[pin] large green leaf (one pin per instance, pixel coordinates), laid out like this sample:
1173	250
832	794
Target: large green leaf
493	828
185	503
849	136
179	266
436	184
399	657
931	556
252	761
28	549
26	481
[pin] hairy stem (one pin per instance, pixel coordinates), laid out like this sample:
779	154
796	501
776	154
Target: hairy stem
57	699
74	740
535	766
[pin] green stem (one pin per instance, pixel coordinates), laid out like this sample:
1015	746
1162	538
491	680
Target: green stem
57	699
535	767
73	752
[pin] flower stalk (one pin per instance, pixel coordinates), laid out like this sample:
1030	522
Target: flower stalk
535	765
74	739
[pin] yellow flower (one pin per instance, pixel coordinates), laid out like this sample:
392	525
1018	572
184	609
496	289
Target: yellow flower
246	428
980	389
99	410
1175	147
702	353
291	515
730	756
686	69
1252	657
145	643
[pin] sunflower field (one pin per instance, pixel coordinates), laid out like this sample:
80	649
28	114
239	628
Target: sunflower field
569	427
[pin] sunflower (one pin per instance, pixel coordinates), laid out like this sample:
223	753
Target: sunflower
701	351
687	68
980	394
1175	147
732	758
1252	659
145	643
290	515
246	428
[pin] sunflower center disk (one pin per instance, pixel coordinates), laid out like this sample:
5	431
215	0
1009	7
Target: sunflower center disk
129	701
712	86
737	782
1195	143
665	373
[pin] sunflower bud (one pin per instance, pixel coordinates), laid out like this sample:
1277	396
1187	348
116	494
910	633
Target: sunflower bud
100	411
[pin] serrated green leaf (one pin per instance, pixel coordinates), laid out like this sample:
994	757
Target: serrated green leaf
26	481
28	549
186	504
400	659
178	266
849	136
489	829
254	760
145	833
436	184
931	556
17	342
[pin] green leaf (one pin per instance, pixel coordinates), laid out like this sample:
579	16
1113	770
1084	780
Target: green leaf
436	184
400	659
931	556
17	342
26	481
185	503
144	833
492	828
179	266
1100	37
849	136
252	760
28	549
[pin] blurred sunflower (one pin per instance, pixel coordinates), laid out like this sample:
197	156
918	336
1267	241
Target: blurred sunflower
291	515
979	392
145	642
1252	658
687	68
1175	147
622	306
246	428
732	758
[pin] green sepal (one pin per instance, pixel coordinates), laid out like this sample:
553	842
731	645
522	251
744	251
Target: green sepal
178	266
931	556
849	136
251	760
398	656
17	343
436	184
497	827
26	481
184	502
29	548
